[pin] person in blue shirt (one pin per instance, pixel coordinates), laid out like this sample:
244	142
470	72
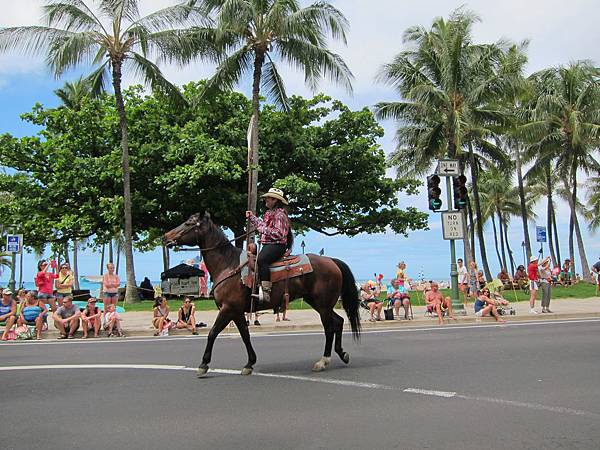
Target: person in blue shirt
398	296
485	306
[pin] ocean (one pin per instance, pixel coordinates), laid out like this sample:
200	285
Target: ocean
94	288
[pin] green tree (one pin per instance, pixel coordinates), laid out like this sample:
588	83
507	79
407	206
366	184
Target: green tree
258	33
74	34
446	83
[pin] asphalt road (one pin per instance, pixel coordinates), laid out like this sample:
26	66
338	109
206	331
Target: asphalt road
521	386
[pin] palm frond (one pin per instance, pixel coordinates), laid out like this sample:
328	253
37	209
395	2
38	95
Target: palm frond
318	16
99	79
273	84
230	71
68	51
173	17
71	15
154	77
116	10
31	40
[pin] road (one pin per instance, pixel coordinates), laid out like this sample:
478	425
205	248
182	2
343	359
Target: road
521	386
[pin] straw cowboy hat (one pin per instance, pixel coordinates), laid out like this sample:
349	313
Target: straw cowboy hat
276	194
533	259
545	261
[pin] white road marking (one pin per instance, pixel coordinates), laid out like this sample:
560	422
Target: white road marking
445	394
235	335
348	383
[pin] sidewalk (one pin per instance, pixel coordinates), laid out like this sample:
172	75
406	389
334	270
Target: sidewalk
139	323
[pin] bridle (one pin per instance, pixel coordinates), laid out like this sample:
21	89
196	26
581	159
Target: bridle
196	229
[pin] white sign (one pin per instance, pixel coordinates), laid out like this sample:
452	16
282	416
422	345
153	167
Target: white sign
448	167
14	243
452	225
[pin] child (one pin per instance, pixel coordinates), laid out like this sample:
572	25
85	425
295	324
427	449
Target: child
112	321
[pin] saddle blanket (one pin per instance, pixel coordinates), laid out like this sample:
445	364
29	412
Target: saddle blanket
289	267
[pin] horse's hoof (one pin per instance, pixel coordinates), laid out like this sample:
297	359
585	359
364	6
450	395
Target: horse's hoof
345	357
201	371
247	371
321	364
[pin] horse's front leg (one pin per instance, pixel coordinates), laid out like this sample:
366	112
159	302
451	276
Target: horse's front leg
242	326
324	362
223	318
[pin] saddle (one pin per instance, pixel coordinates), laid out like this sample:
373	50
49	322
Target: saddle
281	270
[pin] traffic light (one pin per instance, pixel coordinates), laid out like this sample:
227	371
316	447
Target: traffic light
460	192
434	192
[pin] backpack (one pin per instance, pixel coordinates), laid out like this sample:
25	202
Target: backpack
25	333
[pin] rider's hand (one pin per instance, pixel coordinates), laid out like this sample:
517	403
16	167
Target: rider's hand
249	214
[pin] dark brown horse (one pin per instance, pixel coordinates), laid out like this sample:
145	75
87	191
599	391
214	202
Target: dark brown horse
321	289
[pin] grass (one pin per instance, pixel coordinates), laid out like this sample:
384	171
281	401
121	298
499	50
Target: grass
579	291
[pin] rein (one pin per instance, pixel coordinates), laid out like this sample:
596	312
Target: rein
222	243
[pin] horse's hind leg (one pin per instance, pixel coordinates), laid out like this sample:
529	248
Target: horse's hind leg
223	318
242	327
338	322
328	325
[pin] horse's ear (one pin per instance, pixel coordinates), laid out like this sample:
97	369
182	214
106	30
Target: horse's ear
207	215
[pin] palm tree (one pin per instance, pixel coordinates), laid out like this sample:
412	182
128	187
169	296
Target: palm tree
5	261
592	213
72	94
567	124
113	39
257	32
446	83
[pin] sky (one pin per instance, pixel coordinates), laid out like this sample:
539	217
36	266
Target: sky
559	32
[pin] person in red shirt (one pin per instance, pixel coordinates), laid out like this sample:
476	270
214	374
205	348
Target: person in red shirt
275	237
534	277
44	282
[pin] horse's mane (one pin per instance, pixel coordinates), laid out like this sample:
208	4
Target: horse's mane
230	253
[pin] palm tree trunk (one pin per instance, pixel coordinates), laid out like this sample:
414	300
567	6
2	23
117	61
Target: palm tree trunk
571	245
75	266
549	213
21	270
556	241
510	252
471	228
468	251
110	252
522	201
131	295
585	268
479	222
165	255
66	250
496	240
102	259
118	256
253	137
502	248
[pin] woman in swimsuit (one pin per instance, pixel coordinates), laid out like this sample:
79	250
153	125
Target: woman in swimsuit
186	317
160	314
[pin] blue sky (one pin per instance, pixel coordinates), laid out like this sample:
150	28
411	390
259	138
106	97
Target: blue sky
559	32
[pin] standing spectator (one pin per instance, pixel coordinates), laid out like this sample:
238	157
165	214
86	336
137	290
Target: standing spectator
473	285
8	312
147	291
44	282
566	272
401	272
21	296
545	284
112	321
463	279
596	270
203	280
160	318
91	318
110	286
33	312
64	282
66	318
534	279
186	316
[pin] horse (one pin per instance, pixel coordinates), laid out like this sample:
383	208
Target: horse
331	279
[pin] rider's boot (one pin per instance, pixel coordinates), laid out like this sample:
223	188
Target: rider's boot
264	292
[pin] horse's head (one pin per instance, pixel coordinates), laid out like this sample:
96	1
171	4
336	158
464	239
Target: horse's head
189	231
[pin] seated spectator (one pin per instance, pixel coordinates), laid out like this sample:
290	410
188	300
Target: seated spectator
521	278
504	276
91	318
112	322
66	318
147	291
186	316
33	311
485	306
370	295
21	295
556	276
435	301
8	312
398	296
160	318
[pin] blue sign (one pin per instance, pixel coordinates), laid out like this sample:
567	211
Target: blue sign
540	233
14	243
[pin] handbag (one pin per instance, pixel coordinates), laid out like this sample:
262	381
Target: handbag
388	314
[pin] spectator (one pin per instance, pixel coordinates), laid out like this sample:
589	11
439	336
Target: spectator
110	286
504	276
66	318
521	277
401	272
485	306
8	312
64	282
397	297
596	270
160	319
147	291
556	276
91	318
566	272
44	282
21	296
186	316
370	295
473	285
32	313
435	301
534	279
480	280
463	279
203	280
112	321
545	284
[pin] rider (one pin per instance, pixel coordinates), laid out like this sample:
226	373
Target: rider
275	233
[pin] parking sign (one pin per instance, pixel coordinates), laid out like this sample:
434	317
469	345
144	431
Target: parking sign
14	243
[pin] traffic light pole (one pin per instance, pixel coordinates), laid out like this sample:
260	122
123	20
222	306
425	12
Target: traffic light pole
457	306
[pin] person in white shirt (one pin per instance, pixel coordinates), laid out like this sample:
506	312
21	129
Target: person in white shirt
463	279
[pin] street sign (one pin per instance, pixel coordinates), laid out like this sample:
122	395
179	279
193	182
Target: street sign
540	233
452	225
14	243
448	167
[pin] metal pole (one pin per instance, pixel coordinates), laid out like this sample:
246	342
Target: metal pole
457	305
13	258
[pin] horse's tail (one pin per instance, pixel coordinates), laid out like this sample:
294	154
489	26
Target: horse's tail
350	300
